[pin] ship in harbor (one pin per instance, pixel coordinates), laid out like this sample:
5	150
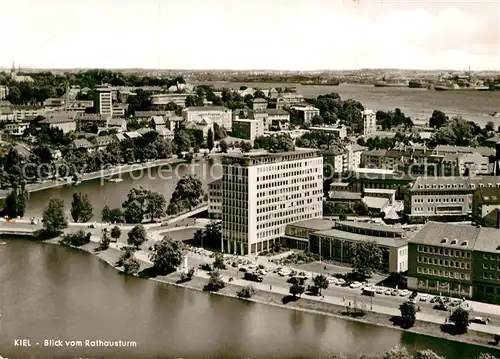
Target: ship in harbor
416	84
458	87
460	83
321	83
390	83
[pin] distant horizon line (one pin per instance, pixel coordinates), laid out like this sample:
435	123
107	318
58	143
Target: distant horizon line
242	70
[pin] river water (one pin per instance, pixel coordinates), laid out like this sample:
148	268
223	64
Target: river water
475	106
102	192
52	292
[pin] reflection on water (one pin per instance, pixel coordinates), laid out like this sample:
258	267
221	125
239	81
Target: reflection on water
60	293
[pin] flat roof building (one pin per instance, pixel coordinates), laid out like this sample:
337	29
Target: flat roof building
262	192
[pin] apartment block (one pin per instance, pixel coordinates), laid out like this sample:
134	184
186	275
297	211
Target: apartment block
456	260
259	104
450	197
278	119
105	101
165	98
306	112
247	129
485	206
16	129
263	192
344	159
220	115
369	123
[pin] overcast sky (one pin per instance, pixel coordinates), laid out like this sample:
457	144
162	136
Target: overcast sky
251	34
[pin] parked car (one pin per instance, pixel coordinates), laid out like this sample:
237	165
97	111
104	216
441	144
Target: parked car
332	280
414	295
253	277
340	281
479	320
441	306
388	291
380	290
404	292
394	292
355	285
424	297
242	269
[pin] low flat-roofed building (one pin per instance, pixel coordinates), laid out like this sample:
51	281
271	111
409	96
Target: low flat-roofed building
389	194
338	131
16	128
297	233
165	98
344	197
336	243
63	122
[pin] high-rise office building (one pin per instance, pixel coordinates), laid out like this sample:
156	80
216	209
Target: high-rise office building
263	192
105	101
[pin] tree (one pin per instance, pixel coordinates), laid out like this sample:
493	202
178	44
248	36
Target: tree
116	232
188	193
137	236
397	353
15	203
246	292
131	265
367	257
490	126
219	261
408	314
427	354
297	289
210	140
111	215
53	216
81	208
155	205
246	147
76	239
223	146
460	319
215	282
321	282
438	119
135	204
105	241
167	255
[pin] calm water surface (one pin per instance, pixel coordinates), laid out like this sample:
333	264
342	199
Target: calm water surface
102	192
51	292
416	103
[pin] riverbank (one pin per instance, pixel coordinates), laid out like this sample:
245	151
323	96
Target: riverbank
305	304
113	171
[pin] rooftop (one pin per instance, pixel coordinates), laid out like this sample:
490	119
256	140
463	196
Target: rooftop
440	183
489	195
206	108
371	226
315	224
447	235
262	153
374	170
339	195
276	111
375	202
356	237
488	240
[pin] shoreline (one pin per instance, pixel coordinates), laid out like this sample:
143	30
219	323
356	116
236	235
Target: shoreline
303	304
112	171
